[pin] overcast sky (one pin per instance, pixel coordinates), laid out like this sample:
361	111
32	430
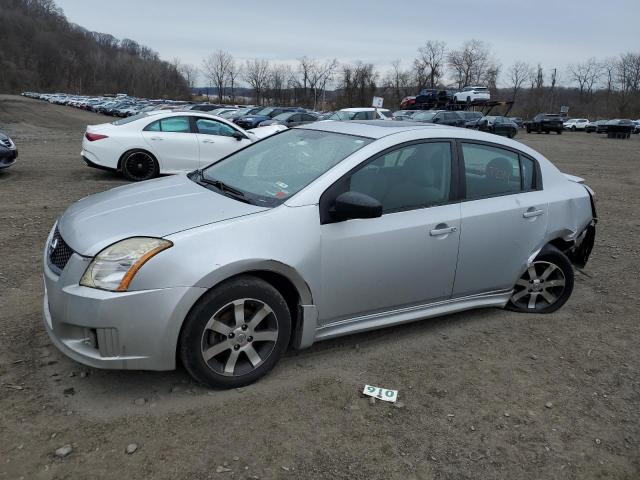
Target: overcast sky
554	33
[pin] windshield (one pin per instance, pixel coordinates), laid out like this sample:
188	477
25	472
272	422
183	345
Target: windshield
424	117
342	115
265	112
283	116
272	170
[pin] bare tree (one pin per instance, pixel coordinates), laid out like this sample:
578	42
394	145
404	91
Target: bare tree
190	74
519	73
256	74
430	63
585	75
398	81
319	76
234	71
216	69
471	62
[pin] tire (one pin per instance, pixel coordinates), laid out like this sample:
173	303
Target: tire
534	292
559	132
139	165
218	325
573	128
528	129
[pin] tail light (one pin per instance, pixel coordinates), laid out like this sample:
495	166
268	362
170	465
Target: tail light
92	137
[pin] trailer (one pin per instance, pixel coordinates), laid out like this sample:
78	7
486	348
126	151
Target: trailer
486	107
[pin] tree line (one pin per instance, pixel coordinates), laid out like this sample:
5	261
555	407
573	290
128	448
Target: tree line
600	88
40	50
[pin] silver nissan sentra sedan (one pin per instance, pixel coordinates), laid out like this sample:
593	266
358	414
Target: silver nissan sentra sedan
320	231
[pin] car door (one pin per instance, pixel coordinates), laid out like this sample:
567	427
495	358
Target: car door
173	143
216	140
504	217
294	120
407	256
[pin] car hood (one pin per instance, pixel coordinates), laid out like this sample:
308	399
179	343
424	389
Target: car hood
154	208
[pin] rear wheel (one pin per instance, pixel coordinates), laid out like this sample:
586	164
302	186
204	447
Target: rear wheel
139	165
546	285
236	333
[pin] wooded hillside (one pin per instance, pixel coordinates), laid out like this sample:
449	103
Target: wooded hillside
40	50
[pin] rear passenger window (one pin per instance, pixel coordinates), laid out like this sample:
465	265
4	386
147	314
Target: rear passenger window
490	171
528	173
411	177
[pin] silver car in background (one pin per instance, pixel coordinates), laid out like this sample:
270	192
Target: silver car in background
319	231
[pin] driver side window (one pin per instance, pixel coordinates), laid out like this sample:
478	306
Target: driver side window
411	177
213	127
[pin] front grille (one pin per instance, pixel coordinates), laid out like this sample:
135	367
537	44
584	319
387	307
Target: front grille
59	251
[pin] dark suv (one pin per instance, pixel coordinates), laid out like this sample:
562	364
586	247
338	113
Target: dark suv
545	122
442	117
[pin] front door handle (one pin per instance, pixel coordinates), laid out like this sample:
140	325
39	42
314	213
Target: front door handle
532	213
208	141
156	138
442	229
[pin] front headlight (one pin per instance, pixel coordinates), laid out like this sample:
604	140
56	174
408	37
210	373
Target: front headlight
115	266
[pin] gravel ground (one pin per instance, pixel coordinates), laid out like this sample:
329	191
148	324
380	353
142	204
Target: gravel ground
485	394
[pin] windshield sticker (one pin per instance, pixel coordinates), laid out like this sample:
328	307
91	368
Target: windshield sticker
282	185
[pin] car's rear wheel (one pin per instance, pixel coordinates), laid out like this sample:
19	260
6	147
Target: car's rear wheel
546	285
236	333
139	165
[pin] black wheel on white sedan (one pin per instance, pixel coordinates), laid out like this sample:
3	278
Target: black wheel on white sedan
139	165
236	333
546	285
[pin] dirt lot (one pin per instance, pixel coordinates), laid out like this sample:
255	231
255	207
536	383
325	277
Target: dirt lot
475	386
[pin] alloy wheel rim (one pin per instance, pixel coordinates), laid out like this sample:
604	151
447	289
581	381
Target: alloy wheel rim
139	165
540	286
239	337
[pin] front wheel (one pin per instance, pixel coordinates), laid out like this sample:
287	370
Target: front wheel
236	333
546	285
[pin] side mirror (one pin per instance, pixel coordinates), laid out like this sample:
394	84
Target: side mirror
356	205
238	136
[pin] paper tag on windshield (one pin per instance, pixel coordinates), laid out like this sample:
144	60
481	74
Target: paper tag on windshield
381	393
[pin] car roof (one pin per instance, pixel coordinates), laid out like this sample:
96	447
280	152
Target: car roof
362	109
369	128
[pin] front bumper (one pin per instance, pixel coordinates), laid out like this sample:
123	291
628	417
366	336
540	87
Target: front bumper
135	330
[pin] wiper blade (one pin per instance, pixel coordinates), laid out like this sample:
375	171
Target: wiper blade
225	189
220	185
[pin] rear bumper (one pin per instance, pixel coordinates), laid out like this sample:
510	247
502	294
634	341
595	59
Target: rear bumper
95	165
7	157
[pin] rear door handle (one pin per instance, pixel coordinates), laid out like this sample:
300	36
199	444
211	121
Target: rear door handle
156	138
208	141
532	213
442	230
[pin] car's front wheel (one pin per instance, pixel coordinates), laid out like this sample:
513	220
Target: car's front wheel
139	165
546	285
236	333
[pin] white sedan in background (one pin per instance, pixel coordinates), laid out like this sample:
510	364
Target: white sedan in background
164	142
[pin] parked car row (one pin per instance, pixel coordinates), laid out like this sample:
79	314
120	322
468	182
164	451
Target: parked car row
465	119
